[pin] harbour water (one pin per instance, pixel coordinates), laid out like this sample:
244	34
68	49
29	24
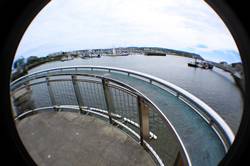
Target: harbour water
215	87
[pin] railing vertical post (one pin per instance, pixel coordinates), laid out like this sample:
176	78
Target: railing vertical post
77	92
51	94
177	94
108	98
143	120
12	100
178	161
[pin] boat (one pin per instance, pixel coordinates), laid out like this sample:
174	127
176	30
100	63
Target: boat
193	64
155	54
202	64
210	66
206	65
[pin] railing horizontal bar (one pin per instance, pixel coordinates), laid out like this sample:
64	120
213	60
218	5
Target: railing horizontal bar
106	112
152	135
226	147
222	125
23	114
34	110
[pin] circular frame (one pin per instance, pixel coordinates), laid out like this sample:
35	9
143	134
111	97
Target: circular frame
20	16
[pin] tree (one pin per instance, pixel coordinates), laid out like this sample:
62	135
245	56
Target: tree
32	59
223	63
19	63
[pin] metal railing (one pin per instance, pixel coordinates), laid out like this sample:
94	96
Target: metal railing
119	103
220	127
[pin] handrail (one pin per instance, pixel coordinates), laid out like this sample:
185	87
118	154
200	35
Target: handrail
134	91
215	117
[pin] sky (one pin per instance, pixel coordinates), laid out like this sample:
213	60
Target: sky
187	25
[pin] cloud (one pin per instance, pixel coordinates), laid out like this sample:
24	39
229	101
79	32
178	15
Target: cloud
69	25
229	56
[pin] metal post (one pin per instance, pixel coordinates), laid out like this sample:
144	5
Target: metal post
14	110
177	94
108	98
27	87
77	92
178	161
211	122
144	120
51	95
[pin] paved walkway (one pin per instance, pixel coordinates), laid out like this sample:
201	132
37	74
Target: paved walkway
64	138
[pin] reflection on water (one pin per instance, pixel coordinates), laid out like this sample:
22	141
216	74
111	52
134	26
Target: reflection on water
216	88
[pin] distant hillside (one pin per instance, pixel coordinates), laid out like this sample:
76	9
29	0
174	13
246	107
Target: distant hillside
157	51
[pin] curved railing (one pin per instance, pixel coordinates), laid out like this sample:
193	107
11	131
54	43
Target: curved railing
121	104
221	128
